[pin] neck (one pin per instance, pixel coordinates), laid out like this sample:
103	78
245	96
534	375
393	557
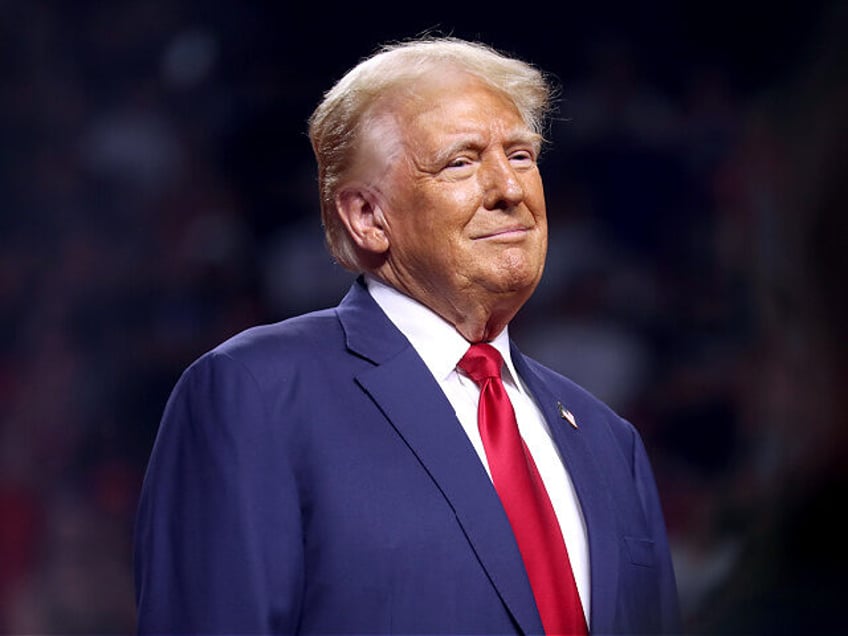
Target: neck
478	317
480	326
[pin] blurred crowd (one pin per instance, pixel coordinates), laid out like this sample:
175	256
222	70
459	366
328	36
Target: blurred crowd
157	195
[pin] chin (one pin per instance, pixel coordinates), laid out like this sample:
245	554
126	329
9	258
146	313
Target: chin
518	276
517	283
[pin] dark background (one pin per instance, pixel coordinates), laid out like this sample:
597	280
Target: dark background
157	194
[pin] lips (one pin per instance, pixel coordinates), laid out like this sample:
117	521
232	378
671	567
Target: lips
515	232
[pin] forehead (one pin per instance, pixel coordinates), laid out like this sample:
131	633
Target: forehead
454	104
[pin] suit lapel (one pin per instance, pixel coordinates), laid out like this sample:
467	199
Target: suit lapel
405	391
592	492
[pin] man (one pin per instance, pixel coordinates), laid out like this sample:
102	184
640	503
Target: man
365	469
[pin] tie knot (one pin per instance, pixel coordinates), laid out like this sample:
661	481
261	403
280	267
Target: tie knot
481	361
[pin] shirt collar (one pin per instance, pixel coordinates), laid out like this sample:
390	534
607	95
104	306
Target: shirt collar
436	340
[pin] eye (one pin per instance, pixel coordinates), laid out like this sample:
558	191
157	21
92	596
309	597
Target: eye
459	167
523	157
458	162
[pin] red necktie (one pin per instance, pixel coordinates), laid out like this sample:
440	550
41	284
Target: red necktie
524	498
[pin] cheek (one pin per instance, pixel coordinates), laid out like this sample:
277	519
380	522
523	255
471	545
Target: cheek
447	214
534	194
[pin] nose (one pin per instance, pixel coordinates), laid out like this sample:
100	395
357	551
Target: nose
502	188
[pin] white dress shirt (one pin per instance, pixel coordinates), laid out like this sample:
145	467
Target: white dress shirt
441	347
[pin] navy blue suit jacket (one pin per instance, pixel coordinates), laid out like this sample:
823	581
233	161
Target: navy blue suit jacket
311	477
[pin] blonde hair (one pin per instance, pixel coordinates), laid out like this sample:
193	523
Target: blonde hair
336	125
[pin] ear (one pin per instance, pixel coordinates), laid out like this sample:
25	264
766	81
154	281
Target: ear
360	211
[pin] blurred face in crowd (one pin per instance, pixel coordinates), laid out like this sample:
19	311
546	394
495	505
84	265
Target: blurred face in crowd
458	203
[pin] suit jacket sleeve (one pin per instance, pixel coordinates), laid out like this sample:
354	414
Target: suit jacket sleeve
669	612
203	560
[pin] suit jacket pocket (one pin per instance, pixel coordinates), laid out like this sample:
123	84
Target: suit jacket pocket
641	551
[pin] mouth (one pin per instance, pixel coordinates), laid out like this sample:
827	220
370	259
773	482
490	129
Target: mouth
504	234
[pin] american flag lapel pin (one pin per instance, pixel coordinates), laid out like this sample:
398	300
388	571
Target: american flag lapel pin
565	414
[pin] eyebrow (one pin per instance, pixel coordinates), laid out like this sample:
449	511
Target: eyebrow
466	142
474	141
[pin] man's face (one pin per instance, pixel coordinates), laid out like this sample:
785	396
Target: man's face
462	197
